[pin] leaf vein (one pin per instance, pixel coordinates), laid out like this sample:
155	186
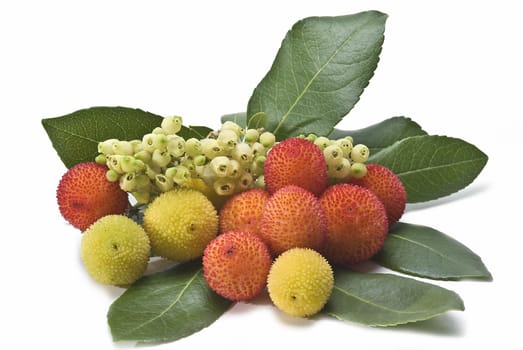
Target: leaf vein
168	308
425	246
374	304
442	166
315	76
72	134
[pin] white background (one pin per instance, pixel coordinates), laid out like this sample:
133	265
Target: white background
453	66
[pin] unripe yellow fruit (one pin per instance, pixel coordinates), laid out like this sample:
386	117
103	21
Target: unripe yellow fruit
198	184
300	282
115	250
180	224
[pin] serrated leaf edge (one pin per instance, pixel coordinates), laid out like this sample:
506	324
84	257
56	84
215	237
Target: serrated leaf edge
313	78
484	159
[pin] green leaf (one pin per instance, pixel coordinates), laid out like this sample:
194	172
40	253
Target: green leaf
257	121
425	252
319	73
198	132
166	306
383	134
239	118
75	136
432	166
375	299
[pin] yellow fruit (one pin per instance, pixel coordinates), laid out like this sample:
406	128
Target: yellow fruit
180	224
300	282
198	184
115	250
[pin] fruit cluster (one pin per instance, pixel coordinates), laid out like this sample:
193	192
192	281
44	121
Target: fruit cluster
228	161
306	224
319	205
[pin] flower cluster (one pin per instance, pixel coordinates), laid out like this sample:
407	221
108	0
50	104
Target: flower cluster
229	160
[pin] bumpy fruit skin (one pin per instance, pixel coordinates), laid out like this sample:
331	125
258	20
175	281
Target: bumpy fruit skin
293	217
84	195
115	250
300	282
180	224
236	265
387	187
298	162
243	211
357	224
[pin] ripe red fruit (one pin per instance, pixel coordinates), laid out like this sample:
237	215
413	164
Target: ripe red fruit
236	265
292	218
357	224
243	211
84	195
387	187
298	162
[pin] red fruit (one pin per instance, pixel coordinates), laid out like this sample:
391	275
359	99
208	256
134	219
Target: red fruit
236	265
357	224
85	195
297	162
243	211
292	218
387	187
